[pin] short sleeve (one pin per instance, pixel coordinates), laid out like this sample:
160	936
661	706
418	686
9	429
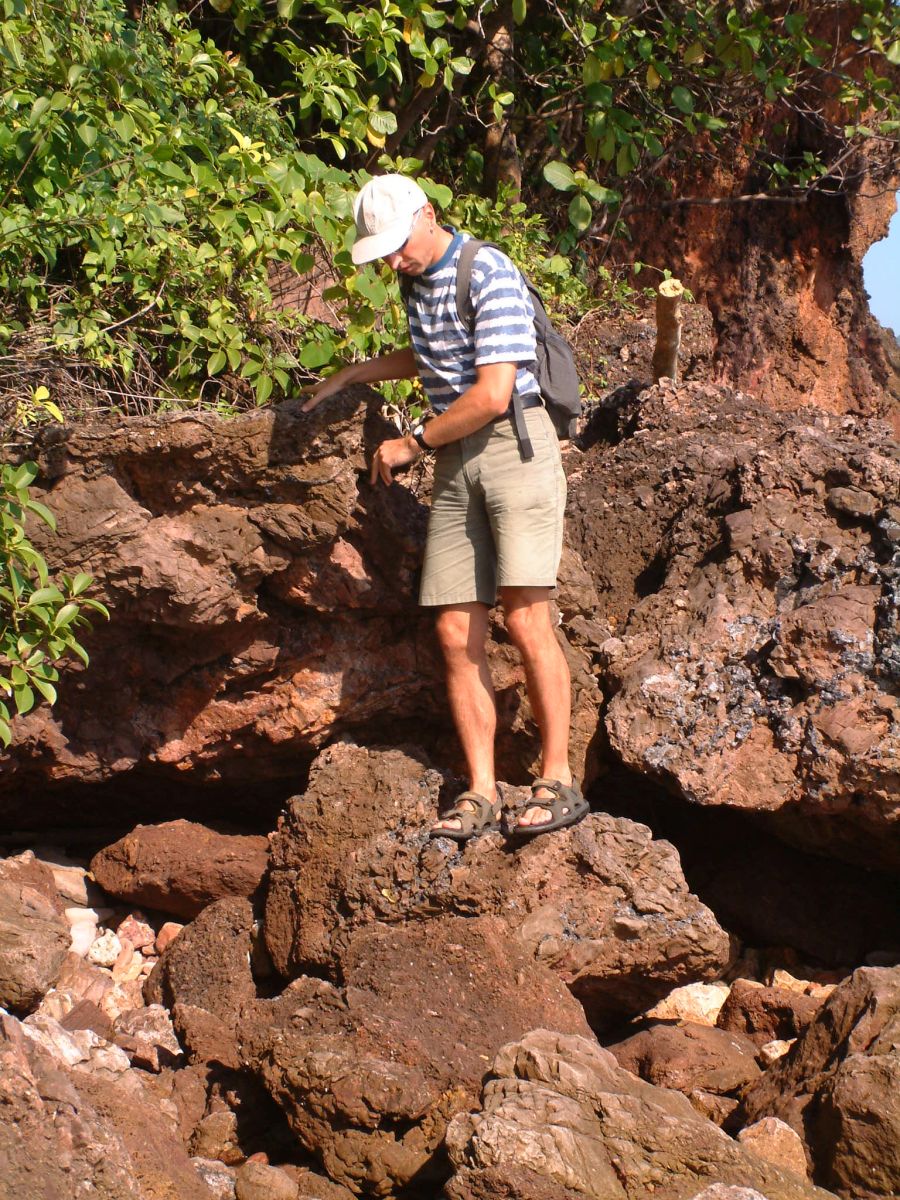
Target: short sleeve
504	315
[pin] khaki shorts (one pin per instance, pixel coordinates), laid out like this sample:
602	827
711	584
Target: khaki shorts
496	519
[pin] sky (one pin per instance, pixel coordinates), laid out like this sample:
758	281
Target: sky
881	273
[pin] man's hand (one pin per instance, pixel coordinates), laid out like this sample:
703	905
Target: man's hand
394	453
321	391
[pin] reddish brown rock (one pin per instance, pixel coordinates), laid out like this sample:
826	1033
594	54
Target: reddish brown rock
767	1014
204	977
757	633
839	1087
262	597
688	1057
563	1109
68	1133
179	867
602	904
370	1074
776	1142
34	941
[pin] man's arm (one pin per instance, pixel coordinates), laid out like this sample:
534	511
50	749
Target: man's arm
486	399
399	364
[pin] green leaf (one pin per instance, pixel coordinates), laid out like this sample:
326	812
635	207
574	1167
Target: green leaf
47	690
580	212
560	176
66	616
383	122
683	99
264	385
519	11
24	698
462	65
316	354
892	54
87	133
216	362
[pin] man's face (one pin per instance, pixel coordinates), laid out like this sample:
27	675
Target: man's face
417	252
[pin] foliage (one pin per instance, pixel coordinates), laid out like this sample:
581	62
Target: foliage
39	616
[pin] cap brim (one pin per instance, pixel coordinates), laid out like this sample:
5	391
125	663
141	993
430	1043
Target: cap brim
377	245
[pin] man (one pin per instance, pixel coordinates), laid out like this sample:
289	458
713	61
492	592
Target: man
496	519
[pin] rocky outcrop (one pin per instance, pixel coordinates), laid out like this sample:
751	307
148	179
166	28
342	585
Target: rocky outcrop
561	1109
180	867
839	1087
370	1073
758	553
765	1014
263	599
603	905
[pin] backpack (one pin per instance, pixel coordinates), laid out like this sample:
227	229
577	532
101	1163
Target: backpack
554	367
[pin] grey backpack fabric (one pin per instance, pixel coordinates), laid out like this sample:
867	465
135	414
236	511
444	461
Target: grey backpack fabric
554	368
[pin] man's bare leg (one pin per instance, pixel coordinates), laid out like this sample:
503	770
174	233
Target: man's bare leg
462	634
530	625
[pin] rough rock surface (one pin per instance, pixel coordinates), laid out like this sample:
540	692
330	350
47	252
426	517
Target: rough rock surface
179	867
68	1133
562	1108
203	978
766	1014
776	1142
755	662
34	941
688	1057
602	904
263	599
839	1087
370	1073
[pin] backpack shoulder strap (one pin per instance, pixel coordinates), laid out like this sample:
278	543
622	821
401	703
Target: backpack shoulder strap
464	307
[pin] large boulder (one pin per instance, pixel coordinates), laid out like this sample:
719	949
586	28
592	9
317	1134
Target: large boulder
839	1087
370	1073
752	557
767	1014
602	904
690	1057
562	1109
179	867
34	941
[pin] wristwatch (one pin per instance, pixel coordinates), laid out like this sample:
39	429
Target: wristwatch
419	437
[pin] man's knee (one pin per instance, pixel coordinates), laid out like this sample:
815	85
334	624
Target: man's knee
528	619
461	631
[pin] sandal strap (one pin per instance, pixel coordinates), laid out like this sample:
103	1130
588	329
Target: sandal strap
483	807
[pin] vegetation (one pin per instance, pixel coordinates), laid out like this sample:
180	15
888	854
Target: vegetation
39	616
150	182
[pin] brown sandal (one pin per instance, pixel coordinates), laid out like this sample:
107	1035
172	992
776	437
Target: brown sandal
485	818
568	807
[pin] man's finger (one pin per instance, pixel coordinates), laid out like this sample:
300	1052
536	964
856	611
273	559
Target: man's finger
373	474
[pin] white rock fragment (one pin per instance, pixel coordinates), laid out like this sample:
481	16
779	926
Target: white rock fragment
105	949
696	1002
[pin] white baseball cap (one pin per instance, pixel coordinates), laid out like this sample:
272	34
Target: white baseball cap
384	212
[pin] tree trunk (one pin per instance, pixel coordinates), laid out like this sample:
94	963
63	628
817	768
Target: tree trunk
668	330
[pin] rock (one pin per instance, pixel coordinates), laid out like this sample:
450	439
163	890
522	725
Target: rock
369	1074
839	1087
84	1014
203	978
179	867
34	941
168	932
767	1014
724	1191
80	1049
776	1142
754	667
216	1136
688	1057
70	877
135	930
561	1107
218	1178
699	1003
147	1036
27	869
105	949
770	1052
259	1181
312	1186
603	904
68	1133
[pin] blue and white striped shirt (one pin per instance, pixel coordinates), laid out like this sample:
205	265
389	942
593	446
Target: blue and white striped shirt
446	352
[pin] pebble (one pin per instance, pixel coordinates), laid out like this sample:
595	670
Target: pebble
167	934
105	949
772	1051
